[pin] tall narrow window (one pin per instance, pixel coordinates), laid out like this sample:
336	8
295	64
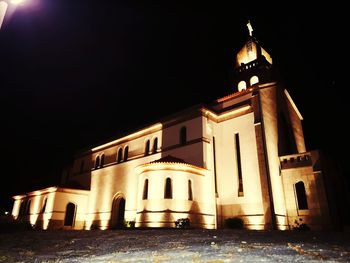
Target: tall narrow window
301	195
183	135
82	166
190	194
28	207
145	190
168	193
44	206
239	167
126	153
147	147
120	155
214	159
102	160
97	162
22	208
155	145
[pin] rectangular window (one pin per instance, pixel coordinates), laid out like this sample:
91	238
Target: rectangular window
190	194
214	157
239	167
168	193
145	190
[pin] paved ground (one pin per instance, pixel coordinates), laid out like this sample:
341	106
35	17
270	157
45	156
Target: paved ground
175	245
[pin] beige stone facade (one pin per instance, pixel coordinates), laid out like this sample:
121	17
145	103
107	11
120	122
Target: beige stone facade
243	156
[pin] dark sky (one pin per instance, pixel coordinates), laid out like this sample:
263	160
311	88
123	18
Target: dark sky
74	73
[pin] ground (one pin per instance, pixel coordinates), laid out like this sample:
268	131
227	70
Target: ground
174	245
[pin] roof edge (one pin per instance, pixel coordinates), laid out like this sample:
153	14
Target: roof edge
293	104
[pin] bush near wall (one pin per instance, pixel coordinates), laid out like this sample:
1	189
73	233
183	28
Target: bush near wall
300	225
234	223
182	223
129	224
8	225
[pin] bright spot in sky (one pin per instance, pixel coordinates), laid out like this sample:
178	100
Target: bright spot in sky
17	2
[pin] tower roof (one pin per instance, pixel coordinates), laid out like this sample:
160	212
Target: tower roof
251	50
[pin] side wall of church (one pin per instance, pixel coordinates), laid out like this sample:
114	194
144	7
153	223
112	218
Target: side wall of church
159	211
268	103
121	179
308	204
47	209
62	199
232	200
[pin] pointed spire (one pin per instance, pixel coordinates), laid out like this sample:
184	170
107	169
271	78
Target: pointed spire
250	28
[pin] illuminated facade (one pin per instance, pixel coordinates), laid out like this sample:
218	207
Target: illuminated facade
243	156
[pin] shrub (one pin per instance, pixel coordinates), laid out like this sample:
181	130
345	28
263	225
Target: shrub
129	224
94	227
300	226
182	223
304	227
8	224
234	222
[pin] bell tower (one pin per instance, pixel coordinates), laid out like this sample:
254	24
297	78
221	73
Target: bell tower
253	64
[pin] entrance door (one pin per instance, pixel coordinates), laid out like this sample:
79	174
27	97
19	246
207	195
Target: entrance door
70	214
118	211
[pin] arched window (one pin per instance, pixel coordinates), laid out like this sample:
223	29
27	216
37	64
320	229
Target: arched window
242	85
168	192
120	155
44	206
126	153
145	190
147	147
70	214
254	80
22	208
155	145
82	166
28	207
97	162
183	135
301	195
190	194
118	212
102	160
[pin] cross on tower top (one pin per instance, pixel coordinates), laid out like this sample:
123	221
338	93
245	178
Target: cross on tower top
250	28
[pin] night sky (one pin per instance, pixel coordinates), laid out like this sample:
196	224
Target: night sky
75	73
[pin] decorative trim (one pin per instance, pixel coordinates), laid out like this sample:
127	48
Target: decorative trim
293	104
244	109
172	166
173	212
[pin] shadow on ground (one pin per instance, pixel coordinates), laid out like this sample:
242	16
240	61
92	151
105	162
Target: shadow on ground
174	245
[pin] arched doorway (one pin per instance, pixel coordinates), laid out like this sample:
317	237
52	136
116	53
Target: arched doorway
301	195
70	214
118	211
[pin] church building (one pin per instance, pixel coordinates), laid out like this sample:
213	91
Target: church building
242	155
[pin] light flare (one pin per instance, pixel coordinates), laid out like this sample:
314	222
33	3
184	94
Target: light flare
17	2
3	8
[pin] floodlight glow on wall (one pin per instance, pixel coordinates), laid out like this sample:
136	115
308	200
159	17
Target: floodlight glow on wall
3	8
17	2
4	5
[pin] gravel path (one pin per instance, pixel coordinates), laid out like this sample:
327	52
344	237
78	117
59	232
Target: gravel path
175	245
